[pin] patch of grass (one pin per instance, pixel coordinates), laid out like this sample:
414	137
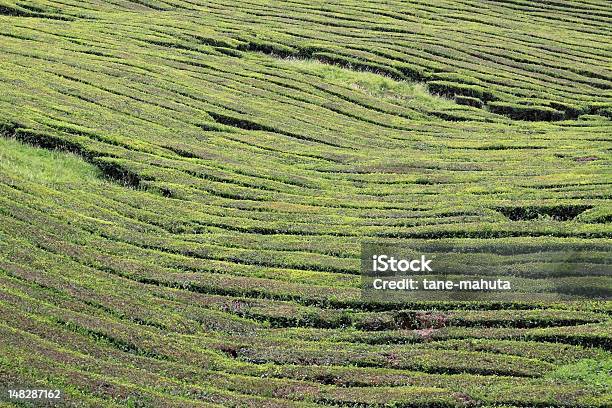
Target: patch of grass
594	373
48	167
372	83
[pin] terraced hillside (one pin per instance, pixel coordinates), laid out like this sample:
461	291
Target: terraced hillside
185	185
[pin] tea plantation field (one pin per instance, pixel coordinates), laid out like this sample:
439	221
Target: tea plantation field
185	186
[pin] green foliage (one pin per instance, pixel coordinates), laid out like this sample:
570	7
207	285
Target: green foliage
185	185
594	373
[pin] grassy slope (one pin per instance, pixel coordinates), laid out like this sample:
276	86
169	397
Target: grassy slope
207	250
